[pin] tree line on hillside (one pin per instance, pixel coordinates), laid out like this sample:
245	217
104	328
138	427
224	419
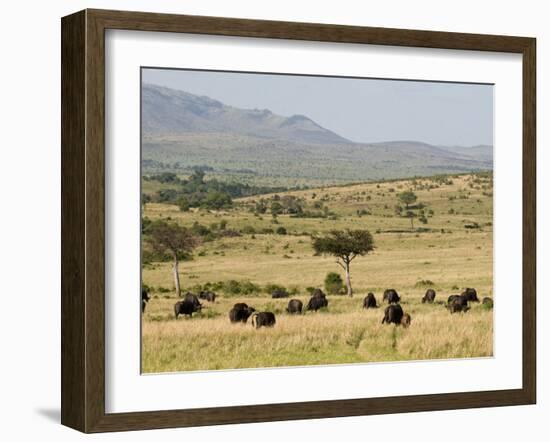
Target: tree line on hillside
196	191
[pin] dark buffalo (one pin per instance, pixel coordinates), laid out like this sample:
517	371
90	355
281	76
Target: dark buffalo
391	296
318	293
406	320
317	302
208	296
451	299
279	293
263	319
240	305
186	307
458	303
240	312
470	294
294	306
488	302
369	301
429	296
393	314
193	299
144	299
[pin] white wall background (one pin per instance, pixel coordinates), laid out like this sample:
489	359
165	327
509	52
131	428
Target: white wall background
30	215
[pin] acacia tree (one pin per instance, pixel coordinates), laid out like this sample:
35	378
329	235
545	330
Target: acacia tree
174	239
345	245
407	197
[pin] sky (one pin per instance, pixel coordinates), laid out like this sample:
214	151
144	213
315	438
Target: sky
359	109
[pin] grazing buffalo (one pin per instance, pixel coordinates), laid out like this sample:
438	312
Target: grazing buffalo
190	297
144	299
279	293
488	302
317	302
470	294
458	303
263	319
393	314
208	296
391	296
369	301
429	296
451	299
406	320
295	306
240	306
318	293
186	307
240	312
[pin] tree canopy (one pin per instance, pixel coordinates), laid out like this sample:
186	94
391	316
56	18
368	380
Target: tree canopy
407	197
178	241
345	245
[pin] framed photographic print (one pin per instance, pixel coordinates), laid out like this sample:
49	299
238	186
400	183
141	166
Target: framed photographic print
267	221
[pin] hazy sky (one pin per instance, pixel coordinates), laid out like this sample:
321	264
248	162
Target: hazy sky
362	110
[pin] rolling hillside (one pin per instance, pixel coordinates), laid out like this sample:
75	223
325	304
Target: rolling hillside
181	131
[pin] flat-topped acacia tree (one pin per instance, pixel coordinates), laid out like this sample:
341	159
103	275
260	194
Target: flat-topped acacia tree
407	197
345	245
174	239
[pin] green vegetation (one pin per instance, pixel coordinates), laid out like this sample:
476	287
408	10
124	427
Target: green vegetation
195	191
333	283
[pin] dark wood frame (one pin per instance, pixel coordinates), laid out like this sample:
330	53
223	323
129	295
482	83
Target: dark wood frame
83	216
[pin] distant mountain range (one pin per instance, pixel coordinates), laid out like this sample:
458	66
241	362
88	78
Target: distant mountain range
188	130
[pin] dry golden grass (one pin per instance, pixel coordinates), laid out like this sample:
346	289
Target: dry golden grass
345	333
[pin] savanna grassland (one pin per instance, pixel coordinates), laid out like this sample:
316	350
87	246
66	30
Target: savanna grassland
447	247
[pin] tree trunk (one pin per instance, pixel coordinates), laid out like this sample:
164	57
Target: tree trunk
177	277
348	281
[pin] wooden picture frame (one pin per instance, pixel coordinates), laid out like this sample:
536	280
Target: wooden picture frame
83	220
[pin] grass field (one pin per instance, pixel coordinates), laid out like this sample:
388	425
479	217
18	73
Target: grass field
442	254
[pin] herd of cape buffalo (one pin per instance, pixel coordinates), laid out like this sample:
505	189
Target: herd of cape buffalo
393	313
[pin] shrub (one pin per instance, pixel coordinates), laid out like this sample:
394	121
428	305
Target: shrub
424	283
280	231
333	283
248	230
270	288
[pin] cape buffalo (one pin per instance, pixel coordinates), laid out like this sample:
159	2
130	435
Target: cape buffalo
487	302
279	293
391	296
317	302
186	307
451	299
190	297
470	294
458	303
294	306
240	305
263	319
429	296
406	320
240	312
208	296
318	293
393	314
144	299
369	301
